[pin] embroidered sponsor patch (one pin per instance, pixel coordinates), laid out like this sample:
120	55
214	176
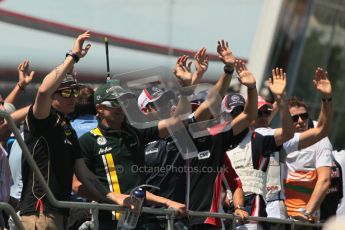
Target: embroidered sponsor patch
66	129
68	141
105	150
101	141
204	155
155	150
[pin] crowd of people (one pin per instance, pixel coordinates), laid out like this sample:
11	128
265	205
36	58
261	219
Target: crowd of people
208	151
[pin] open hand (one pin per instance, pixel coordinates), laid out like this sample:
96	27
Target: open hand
25	76
182	71
225	54
78	44
245	77
277	82
201	61
322	83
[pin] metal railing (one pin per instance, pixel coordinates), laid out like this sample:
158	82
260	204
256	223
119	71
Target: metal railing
95	207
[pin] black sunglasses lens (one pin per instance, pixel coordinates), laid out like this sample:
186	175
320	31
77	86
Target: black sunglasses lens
303	116
295	118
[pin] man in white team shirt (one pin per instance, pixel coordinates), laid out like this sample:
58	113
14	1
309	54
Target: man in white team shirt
308	161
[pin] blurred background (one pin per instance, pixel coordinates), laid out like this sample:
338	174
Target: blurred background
297	35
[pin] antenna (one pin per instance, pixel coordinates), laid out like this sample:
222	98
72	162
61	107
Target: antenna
107	57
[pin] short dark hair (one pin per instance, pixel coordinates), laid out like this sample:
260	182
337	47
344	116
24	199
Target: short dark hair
295	101
85	102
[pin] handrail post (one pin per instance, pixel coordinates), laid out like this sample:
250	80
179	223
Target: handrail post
233	222
94	216
170	220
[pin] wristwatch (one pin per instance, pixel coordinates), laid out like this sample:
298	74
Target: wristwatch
73	55
229	70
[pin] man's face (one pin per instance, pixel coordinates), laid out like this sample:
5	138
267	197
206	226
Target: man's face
299	117
65	100
261	120
110	112
151	111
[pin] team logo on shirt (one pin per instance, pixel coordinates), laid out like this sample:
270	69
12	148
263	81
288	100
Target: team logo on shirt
204	155
66	129
101	141
105	150
155	150
67	141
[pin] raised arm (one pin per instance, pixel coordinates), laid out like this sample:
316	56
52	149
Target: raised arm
24	79
311	136
218	91
51	82
244	119
277	84
183	74
18	116
323	85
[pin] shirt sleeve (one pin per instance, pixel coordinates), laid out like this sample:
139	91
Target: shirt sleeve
40	127
324	153
292	144
264	142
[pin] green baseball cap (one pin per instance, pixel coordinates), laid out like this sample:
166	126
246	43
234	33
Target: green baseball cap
110	92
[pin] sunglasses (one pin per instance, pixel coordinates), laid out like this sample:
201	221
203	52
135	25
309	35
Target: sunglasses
68	93
264	113
112	104
303	116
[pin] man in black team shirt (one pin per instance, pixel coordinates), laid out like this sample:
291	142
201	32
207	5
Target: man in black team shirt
163	161
163	153
212	147
55	148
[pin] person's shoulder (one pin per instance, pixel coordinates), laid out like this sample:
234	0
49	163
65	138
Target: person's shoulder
292	144
325	142
92	134
265	131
